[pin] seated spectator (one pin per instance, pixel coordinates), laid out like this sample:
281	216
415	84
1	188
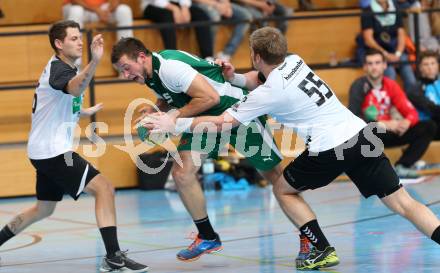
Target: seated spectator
363	4
266	8
400	4
425	94
385	32
106	11
372	97
306	5
408	5
179	12
427	40
224	9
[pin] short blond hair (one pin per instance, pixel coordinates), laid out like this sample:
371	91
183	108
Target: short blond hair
270	44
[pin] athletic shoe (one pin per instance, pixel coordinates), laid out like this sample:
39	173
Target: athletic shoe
198	248
121	263
404	172
304	249
319	259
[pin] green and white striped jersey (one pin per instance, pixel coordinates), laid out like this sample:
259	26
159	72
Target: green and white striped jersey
173	72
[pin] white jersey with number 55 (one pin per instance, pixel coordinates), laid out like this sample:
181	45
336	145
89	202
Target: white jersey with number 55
296	97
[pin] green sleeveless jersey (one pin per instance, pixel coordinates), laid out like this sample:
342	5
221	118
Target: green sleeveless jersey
173	72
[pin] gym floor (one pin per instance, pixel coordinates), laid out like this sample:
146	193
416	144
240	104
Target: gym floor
257	237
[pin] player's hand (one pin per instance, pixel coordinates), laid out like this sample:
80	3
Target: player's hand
92	110
228	69
160	122
97	47
144	112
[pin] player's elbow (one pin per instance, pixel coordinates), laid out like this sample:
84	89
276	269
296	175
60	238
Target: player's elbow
74	91
213	100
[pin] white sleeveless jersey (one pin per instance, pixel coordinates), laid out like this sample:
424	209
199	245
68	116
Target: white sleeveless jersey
55	113
296	97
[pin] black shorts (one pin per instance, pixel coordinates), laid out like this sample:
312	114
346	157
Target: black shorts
66	173
360	157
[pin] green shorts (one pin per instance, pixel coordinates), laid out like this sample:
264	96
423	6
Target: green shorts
254	142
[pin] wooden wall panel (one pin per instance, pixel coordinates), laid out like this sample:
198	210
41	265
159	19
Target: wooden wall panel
30	11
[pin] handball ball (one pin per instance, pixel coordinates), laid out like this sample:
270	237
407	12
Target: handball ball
151	138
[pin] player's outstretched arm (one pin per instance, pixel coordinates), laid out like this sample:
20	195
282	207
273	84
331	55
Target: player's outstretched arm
248	80
162	122
87	112
78	84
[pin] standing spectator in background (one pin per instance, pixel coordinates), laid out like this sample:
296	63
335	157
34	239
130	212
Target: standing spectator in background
385	32
179	12
434	17
106	11
372	97
224	9
266	8
426	39
425	94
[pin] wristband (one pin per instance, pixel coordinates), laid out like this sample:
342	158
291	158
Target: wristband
183	125
239	80
398	53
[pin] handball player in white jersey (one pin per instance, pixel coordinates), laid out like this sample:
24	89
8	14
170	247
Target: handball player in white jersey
336	141
59	170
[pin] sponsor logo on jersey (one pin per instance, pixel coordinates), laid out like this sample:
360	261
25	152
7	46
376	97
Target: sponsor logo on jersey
236	105
293	71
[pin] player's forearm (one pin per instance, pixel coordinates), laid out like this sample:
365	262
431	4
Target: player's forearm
197	106
203	124
248	80
211	124
162	105
252	81
78	84
84	113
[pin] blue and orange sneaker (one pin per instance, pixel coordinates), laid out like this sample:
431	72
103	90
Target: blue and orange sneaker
198	248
